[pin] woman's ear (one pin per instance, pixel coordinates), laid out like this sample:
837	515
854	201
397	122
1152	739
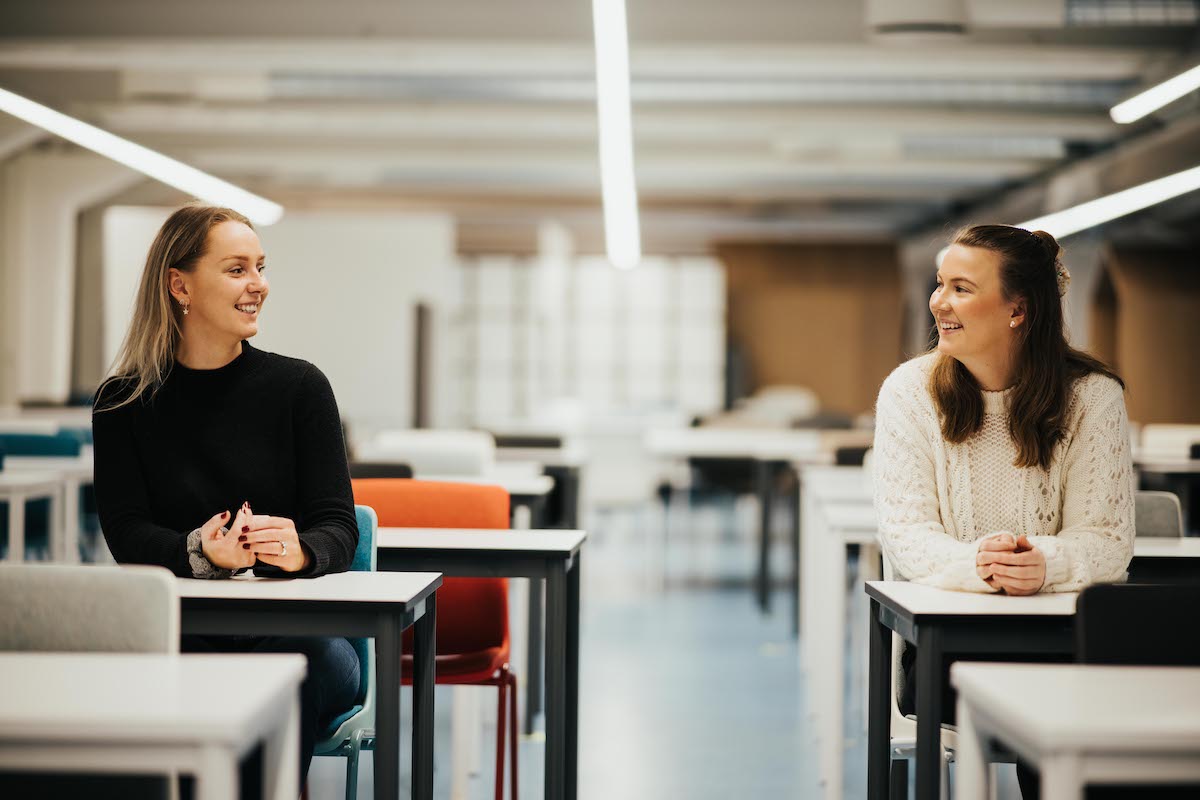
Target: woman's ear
177	286
1018	314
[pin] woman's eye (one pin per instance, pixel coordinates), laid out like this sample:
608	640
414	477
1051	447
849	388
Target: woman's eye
235	270
960	289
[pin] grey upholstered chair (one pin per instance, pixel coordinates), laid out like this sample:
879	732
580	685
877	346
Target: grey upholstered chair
1157	514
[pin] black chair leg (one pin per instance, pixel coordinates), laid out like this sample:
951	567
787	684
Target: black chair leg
898	780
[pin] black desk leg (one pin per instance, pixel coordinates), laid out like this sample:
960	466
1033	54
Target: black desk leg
387	717
930	685
556	680
879	698
533	654
762	480
572	721
424	652
795	518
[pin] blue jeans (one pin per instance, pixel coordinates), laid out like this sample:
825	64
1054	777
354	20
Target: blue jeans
329	689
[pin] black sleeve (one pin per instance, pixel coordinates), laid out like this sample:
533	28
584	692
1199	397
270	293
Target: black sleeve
326	522
121	491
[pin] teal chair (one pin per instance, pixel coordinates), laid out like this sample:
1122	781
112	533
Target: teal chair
354	731
64	444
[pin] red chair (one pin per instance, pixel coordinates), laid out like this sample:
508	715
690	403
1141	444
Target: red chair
472	613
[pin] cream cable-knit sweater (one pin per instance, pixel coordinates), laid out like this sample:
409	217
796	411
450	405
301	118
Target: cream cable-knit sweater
935	500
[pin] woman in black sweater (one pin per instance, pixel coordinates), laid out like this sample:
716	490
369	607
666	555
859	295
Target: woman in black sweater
197	430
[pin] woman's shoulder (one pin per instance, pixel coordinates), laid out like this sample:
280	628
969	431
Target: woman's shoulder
910	376
114	391
294	371
1094	391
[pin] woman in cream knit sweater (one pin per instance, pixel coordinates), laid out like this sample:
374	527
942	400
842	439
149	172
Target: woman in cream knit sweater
1002	459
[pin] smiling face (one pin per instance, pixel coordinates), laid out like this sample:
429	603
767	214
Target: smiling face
975	322
225	290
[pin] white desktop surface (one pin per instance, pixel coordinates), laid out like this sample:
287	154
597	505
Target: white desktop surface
920	600
480	539
140	697
351	587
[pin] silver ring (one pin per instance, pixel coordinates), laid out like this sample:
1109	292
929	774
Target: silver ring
284	546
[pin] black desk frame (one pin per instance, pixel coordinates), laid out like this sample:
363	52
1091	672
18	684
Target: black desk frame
560	571
385	623
1040	638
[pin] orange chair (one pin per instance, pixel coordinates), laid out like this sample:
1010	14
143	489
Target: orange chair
472	613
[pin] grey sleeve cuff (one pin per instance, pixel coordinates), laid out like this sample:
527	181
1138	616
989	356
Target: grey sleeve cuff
201	566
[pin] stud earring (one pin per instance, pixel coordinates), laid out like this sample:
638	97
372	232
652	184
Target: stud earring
1012	324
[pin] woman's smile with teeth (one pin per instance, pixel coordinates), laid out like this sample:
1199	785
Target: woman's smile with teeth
248	308
950	326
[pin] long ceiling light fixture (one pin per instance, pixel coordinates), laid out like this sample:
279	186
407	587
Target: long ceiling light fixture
622	231
174	173
1103	209
1156	97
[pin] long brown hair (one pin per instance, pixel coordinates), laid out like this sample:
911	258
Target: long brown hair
1046	366
148	352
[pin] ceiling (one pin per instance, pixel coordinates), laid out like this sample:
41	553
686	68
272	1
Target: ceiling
757	119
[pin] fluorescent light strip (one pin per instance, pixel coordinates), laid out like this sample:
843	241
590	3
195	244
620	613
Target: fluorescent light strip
622	232
1156	97
1103	209
199	184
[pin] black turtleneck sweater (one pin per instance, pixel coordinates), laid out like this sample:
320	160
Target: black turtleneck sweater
263	428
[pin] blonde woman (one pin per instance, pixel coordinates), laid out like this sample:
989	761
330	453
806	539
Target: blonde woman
1002	460
197	430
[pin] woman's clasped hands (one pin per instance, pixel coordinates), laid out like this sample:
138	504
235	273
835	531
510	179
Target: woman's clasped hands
1011	564
253	537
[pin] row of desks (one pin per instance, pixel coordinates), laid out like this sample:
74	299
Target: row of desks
402	594
838	518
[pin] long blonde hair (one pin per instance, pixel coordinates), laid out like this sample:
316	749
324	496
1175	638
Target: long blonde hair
148	352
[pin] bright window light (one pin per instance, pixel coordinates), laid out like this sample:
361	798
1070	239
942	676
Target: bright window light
1156	97
1101	210
622	232
199	184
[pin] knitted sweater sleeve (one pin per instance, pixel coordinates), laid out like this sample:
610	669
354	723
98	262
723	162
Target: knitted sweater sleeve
1095	543
906	493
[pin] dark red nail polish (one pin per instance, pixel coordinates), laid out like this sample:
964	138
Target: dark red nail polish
241	538
246	546
245	529
224	514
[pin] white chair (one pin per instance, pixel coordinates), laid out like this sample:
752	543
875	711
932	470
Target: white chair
434	452
71	608
1157	514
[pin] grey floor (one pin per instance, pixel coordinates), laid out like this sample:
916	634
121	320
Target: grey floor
687	690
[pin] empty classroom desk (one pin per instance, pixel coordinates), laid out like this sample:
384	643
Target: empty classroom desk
551	555
379	605
1079	723
74	472
17	487
142	713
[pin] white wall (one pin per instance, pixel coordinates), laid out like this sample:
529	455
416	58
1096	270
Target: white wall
343	289
43	192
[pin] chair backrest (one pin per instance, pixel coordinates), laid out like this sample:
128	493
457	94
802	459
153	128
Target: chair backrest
63	443
1157	514
472	612
380	469
365	560
61	608
434	452
1137	624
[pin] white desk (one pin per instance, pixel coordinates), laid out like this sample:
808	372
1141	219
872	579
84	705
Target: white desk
380	605
941	623
152	713
570	455
20	486
517	482
1079	724
75	473
552	556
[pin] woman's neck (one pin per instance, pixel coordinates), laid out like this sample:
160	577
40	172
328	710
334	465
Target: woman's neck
199	353
994	374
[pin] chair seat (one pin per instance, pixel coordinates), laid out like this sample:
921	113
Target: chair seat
478	667
336	723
